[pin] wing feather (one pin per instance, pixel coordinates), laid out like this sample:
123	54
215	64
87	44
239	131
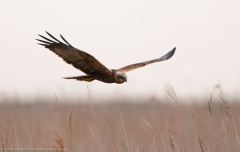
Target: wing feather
65	40
53	37
142	64
77	58
47	39
44	41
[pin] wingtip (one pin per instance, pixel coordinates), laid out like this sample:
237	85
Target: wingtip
174	49
42	44
48	33
66	77
170	53
65	40
40	35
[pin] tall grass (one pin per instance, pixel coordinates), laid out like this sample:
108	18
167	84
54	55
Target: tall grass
154	126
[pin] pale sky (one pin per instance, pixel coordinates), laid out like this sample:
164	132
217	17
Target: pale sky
118	33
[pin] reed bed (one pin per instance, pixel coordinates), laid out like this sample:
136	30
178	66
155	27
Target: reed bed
122	126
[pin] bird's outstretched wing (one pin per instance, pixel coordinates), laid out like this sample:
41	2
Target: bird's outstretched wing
138	65
79	59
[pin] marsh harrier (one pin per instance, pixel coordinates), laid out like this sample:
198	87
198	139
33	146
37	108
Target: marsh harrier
88	64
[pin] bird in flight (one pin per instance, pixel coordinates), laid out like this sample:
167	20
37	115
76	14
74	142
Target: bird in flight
88	64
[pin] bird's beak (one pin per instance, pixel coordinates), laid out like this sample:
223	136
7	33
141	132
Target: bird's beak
126	80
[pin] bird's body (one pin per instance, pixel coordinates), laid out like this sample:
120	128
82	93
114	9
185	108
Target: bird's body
88	64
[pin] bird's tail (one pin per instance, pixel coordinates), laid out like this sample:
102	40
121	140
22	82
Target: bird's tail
87	78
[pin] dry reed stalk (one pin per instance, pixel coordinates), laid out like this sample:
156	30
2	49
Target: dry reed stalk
215	87
170	91
155	149
14	145
167	126
35	146
171	140
6	139
54	117
209	125
170	136
72	128
148	131
59	140
93	138
161	138
58	145
226	108
147	126
195	127
111	139
5	143
209	120
2	145
202	145
228	113
60	131
143	144
95	118
154	142
46	136
149	144
15	134
167	141
137	149
85	114
130	143
58	115
122	121
109	133
225	138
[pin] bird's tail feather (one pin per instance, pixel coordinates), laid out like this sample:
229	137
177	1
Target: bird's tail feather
87	78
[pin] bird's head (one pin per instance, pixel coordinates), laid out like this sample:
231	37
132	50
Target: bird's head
120	77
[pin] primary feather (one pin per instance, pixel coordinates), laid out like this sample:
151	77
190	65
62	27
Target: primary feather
78	58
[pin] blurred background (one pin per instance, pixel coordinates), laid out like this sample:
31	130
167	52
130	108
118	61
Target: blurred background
119	33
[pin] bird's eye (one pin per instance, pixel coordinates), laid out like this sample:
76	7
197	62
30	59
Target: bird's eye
121	77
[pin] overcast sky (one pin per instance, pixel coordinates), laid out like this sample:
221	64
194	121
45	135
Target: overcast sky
118	33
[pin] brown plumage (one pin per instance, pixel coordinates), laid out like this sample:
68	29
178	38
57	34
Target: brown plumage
90	65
